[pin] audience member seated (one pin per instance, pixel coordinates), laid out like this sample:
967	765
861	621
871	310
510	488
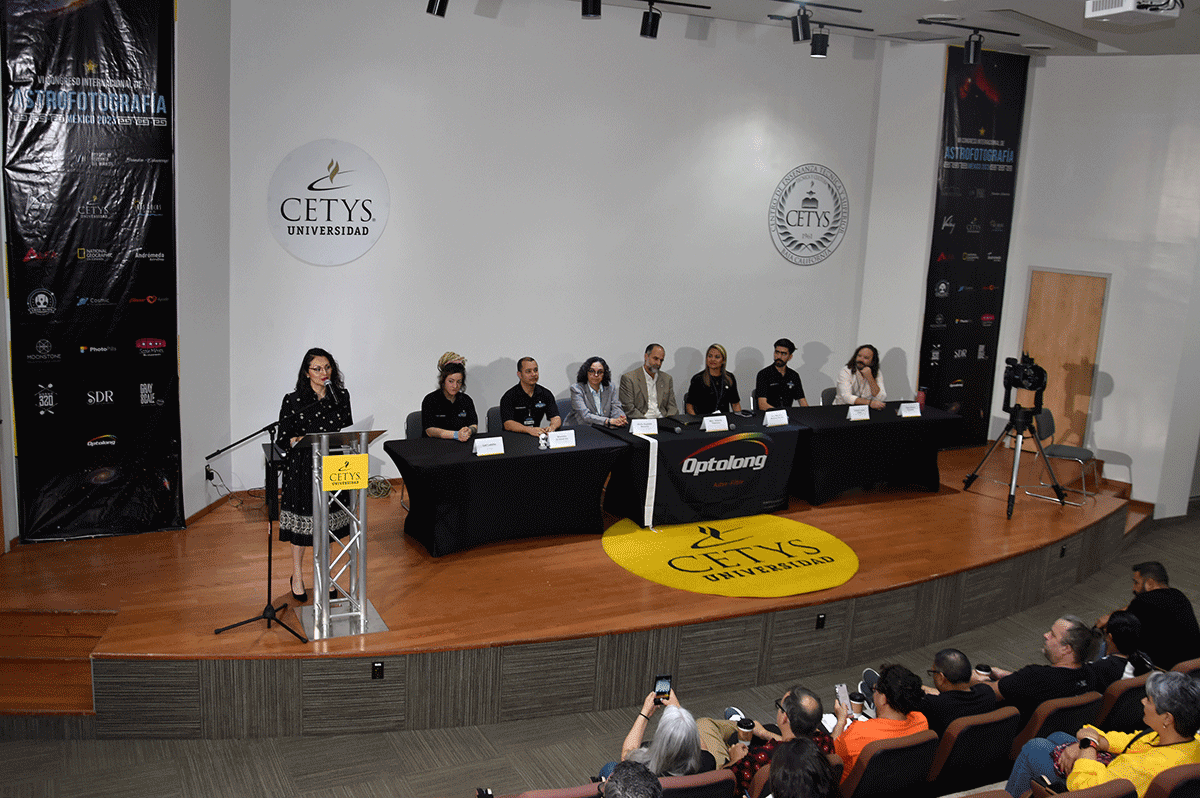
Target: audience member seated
1170	633
1123	659
952	695
897	694
800	769
713	390
797	714
1066	647
448	412
594	398
523	406
1092	757
632	780
675	749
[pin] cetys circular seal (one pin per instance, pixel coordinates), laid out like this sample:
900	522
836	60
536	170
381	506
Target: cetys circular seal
809	214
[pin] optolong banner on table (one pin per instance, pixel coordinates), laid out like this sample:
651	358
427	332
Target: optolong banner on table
981	126
89	204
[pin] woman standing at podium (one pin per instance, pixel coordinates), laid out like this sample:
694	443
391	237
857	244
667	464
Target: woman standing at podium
320	403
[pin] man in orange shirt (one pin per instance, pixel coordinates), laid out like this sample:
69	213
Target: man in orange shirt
897	695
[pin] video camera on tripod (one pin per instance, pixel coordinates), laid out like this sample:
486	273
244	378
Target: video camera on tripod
1026	375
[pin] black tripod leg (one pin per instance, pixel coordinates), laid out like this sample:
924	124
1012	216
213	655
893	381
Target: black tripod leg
270	612
970	478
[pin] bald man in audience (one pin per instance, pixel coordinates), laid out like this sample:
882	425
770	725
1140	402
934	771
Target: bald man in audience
952	695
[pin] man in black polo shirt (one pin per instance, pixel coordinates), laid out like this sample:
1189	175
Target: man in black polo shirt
524	405
1066	647
777	386
953	696
1169	633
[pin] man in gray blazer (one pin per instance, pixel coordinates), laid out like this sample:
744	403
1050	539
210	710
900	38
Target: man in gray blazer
639	385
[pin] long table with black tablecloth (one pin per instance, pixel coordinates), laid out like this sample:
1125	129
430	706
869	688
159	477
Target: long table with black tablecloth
683	475
835	454
458	500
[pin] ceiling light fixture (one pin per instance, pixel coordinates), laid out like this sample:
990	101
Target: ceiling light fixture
590	9
820	42
972	48
650	19
437	7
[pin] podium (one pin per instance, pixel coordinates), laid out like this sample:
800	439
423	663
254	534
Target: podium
343	566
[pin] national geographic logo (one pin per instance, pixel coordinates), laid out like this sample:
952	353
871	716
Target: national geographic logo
761	555
809	214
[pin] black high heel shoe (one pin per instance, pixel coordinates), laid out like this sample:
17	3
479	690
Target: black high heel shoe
299	597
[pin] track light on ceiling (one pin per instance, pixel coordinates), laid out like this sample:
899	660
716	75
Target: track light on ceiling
590	9
972	48
437	7
820	43
805	30
650	19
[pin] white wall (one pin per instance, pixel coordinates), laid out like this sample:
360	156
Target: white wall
560	188
202	190
1110	183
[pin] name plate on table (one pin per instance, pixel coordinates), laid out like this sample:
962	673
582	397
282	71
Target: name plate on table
562	439
859	413
643	426
715	424
486	446
775	418
343	471
909	410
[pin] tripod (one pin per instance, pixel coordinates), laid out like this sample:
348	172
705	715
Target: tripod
270	612
1020	419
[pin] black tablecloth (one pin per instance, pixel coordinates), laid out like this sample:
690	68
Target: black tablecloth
458	500
705	475
834	455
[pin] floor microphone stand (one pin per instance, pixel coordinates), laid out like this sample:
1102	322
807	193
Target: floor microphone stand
270	612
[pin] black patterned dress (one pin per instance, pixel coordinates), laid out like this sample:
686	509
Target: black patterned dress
297	416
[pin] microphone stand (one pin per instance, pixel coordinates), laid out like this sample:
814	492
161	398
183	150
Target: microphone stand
270	612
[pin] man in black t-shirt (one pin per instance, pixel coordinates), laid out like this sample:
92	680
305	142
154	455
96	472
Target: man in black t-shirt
1169	633
1066	647
952	695
777	386
524	405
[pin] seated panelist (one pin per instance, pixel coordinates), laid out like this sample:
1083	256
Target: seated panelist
448	412
713	390
859	382
594	398
528	407
647	391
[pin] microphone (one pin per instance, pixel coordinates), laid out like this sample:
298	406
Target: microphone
329	390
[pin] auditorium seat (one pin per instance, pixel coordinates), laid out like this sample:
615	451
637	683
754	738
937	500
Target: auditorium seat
1117	788
1059	714
719	783
1181	781
1122	707
974	751
895	766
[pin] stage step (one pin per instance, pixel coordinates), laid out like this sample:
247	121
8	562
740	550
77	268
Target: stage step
45	667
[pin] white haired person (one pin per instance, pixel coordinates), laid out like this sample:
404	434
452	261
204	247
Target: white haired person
675	749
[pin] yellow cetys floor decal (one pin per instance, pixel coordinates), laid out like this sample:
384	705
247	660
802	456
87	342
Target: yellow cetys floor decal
759	555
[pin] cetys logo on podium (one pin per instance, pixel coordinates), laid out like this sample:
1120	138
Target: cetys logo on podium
344	472
760	555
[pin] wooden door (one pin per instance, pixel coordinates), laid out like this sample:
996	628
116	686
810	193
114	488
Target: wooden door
1062	332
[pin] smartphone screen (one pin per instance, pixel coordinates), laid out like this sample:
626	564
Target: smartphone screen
843	695
662	687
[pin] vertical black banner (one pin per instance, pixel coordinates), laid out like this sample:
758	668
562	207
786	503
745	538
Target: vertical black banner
981	133
90	215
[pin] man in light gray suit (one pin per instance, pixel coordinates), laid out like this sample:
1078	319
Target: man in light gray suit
648	392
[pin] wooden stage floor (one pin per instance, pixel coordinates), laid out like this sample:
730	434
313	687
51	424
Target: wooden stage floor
171	589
